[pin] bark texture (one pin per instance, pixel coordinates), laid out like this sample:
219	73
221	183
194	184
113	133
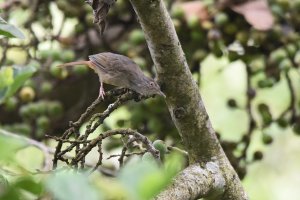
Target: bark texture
183	97
194	182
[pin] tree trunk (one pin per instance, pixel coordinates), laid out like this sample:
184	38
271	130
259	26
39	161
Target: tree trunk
185	104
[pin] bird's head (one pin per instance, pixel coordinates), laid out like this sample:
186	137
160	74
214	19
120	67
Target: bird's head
150	87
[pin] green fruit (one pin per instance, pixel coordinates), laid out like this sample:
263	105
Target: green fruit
67	55
193	22
267	139
43	122
258	37
79	28
46	54
46	87
40	108
11	104
89	18
29	83
80	70
54	109
221	19
258	155
282	122
242	37
62	4
277	10
197	36
278	55
177	12
257	64
140	62
136	37
58	72
232	103
124	47
285	64
291	50
283	3
230	29
207	25
265	83
45	22
160	146
40	133
265	114
27	94
24	112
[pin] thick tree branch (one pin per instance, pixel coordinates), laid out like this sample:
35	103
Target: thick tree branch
195	182
183	98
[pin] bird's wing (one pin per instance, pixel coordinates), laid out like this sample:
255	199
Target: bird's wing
116	69
116	65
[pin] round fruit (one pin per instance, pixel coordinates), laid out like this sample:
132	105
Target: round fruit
136	37
11	104
43	122
26	94
232	103
193	22
80	70
68	55
55	109
58	72
221	19
177	12
267	139
140	62
160	146
258	155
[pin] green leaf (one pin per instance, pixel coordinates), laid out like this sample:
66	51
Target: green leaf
6	77
20	75
8	148
69	185
135	176
9	30
144	180
29	185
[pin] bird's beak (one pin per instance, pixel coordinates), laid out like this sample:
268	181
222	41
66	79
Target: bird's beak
162	94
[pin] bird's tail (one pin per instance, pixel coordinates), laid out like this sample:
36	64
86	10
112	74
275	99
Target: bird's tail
88	63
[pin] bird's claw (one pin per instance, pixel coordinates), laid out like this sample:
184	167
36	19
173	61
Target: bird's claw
101	93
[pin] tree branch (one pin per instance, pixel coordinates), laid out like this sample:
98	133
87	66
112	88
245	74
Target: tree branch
195	182
183	98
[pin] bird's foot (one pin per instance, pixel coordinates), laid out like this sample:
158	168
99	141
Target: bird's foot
101	93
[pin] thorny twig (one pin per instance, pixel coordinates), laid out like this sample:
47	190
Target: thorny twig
83	145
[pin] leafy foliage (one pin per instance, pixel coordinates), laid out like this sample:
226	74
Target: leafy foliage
9	30
12	78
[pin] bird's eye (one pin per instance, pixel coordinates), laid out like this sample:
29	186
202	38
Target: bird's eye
152	84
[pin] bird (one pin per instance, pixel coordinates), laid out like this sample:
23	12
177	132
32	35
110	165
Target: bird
120	71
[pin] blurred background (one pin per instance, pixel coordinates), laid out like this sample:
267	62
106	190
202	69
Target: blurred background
245	58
